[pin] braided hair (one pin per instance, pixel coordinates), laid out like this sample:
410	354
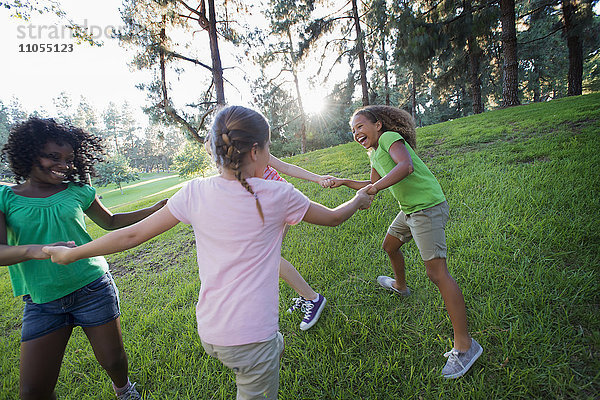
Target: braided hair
392	119
27	139
234	133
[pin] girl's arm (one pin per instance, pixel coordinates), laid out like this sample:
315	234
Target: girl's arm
403	168
109	221
118	240
298	172
10	255
356	185
318	214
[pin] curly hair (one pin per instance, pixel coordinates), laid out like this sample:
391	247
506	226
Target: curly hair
392	119
234	132
27	139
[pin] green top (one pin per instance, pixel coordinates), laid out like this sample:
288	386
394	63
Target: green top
417	191
59	217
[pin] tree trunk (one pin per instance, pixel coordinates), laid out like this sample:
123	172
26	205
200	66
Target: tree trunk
217	69
165	102
474	79
386	81
298	94
510	83
537	93
361	55
474	52
413	96
575	48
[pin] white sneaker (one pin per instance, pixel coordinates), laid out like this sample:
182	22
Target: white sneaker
386	282
459	363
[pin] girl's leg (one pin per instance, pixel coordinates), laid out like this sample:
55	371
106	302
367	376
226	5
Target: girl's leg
107	342
391	245
40	364
437	271
292	277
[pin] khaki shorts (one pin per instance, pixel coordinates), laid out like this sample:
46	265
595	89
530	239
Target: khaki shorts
426	227
256	366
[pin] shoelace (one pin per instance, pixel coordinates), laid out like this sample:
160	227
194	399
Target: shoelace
307	309
130	393
452	356
298	302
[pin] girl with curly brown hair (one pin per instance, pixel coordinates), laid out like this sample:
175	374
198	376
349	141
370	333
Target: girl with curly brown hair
390	136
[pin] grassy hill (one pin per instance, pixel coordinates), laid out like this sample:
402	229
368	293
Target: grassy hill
524	239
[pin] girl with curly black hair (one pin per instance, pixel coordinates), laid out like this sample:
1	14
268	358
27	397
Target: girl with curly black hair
50	162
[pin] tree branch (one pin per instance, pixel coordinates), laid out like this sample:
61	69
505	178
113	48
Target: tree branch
543	37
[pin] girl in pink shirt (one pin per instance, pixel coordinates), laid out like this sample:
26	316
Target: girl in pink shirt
238	220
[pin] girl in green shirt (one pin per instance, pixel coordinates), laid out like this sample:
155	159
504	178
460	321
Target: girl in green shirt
389	135
47	205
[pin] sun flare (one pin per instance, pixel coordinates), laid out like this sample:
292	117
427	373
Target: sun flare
314	103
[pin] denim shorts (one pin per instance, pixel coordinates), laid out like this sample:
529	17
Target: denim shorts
94	304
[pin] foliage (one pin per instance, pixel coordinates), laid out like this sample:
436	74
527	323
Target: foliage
592	82
192	160
523	235
115	170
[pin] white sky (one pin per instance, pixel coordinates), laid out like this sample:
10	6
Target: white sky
101	74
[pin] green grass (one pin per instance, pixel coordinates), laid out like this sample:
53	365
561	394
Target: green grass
524	239
148	186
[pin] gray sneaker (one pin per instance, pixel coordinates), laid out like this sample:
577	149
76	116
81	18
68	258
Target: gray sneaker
386	282
130	394
459	363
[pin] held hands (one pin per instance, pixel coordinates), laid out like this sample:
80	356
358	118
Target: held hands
364	197
335	182
326	180
35	251
59	254
372	190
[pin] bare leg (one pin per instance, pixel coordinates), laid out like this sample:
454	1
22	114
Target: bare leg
391	245
40	364
292	277
437	271
107	342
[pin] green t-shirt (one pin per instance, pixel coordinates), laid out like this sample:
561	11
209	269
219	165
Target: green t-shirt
418	190
59	217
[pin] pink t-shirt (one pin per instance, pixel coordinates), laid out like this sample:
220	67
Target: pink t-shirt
238	255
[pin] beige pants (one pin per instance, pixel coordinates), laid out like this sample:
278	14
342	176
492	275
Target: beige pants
426	227
256	366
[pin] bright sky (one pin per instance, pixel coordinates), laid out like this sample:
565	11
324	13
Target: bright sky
101	74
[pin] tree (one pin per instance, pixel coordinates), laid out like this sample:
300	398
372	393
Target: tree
539	44
115	170
285	16
510	81
149	26
193	160
64	107
86	117
577	17
360	52
377	17
112	123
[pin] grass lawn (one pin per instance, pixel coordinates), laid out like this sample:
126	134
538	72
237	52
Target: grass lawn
524	239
